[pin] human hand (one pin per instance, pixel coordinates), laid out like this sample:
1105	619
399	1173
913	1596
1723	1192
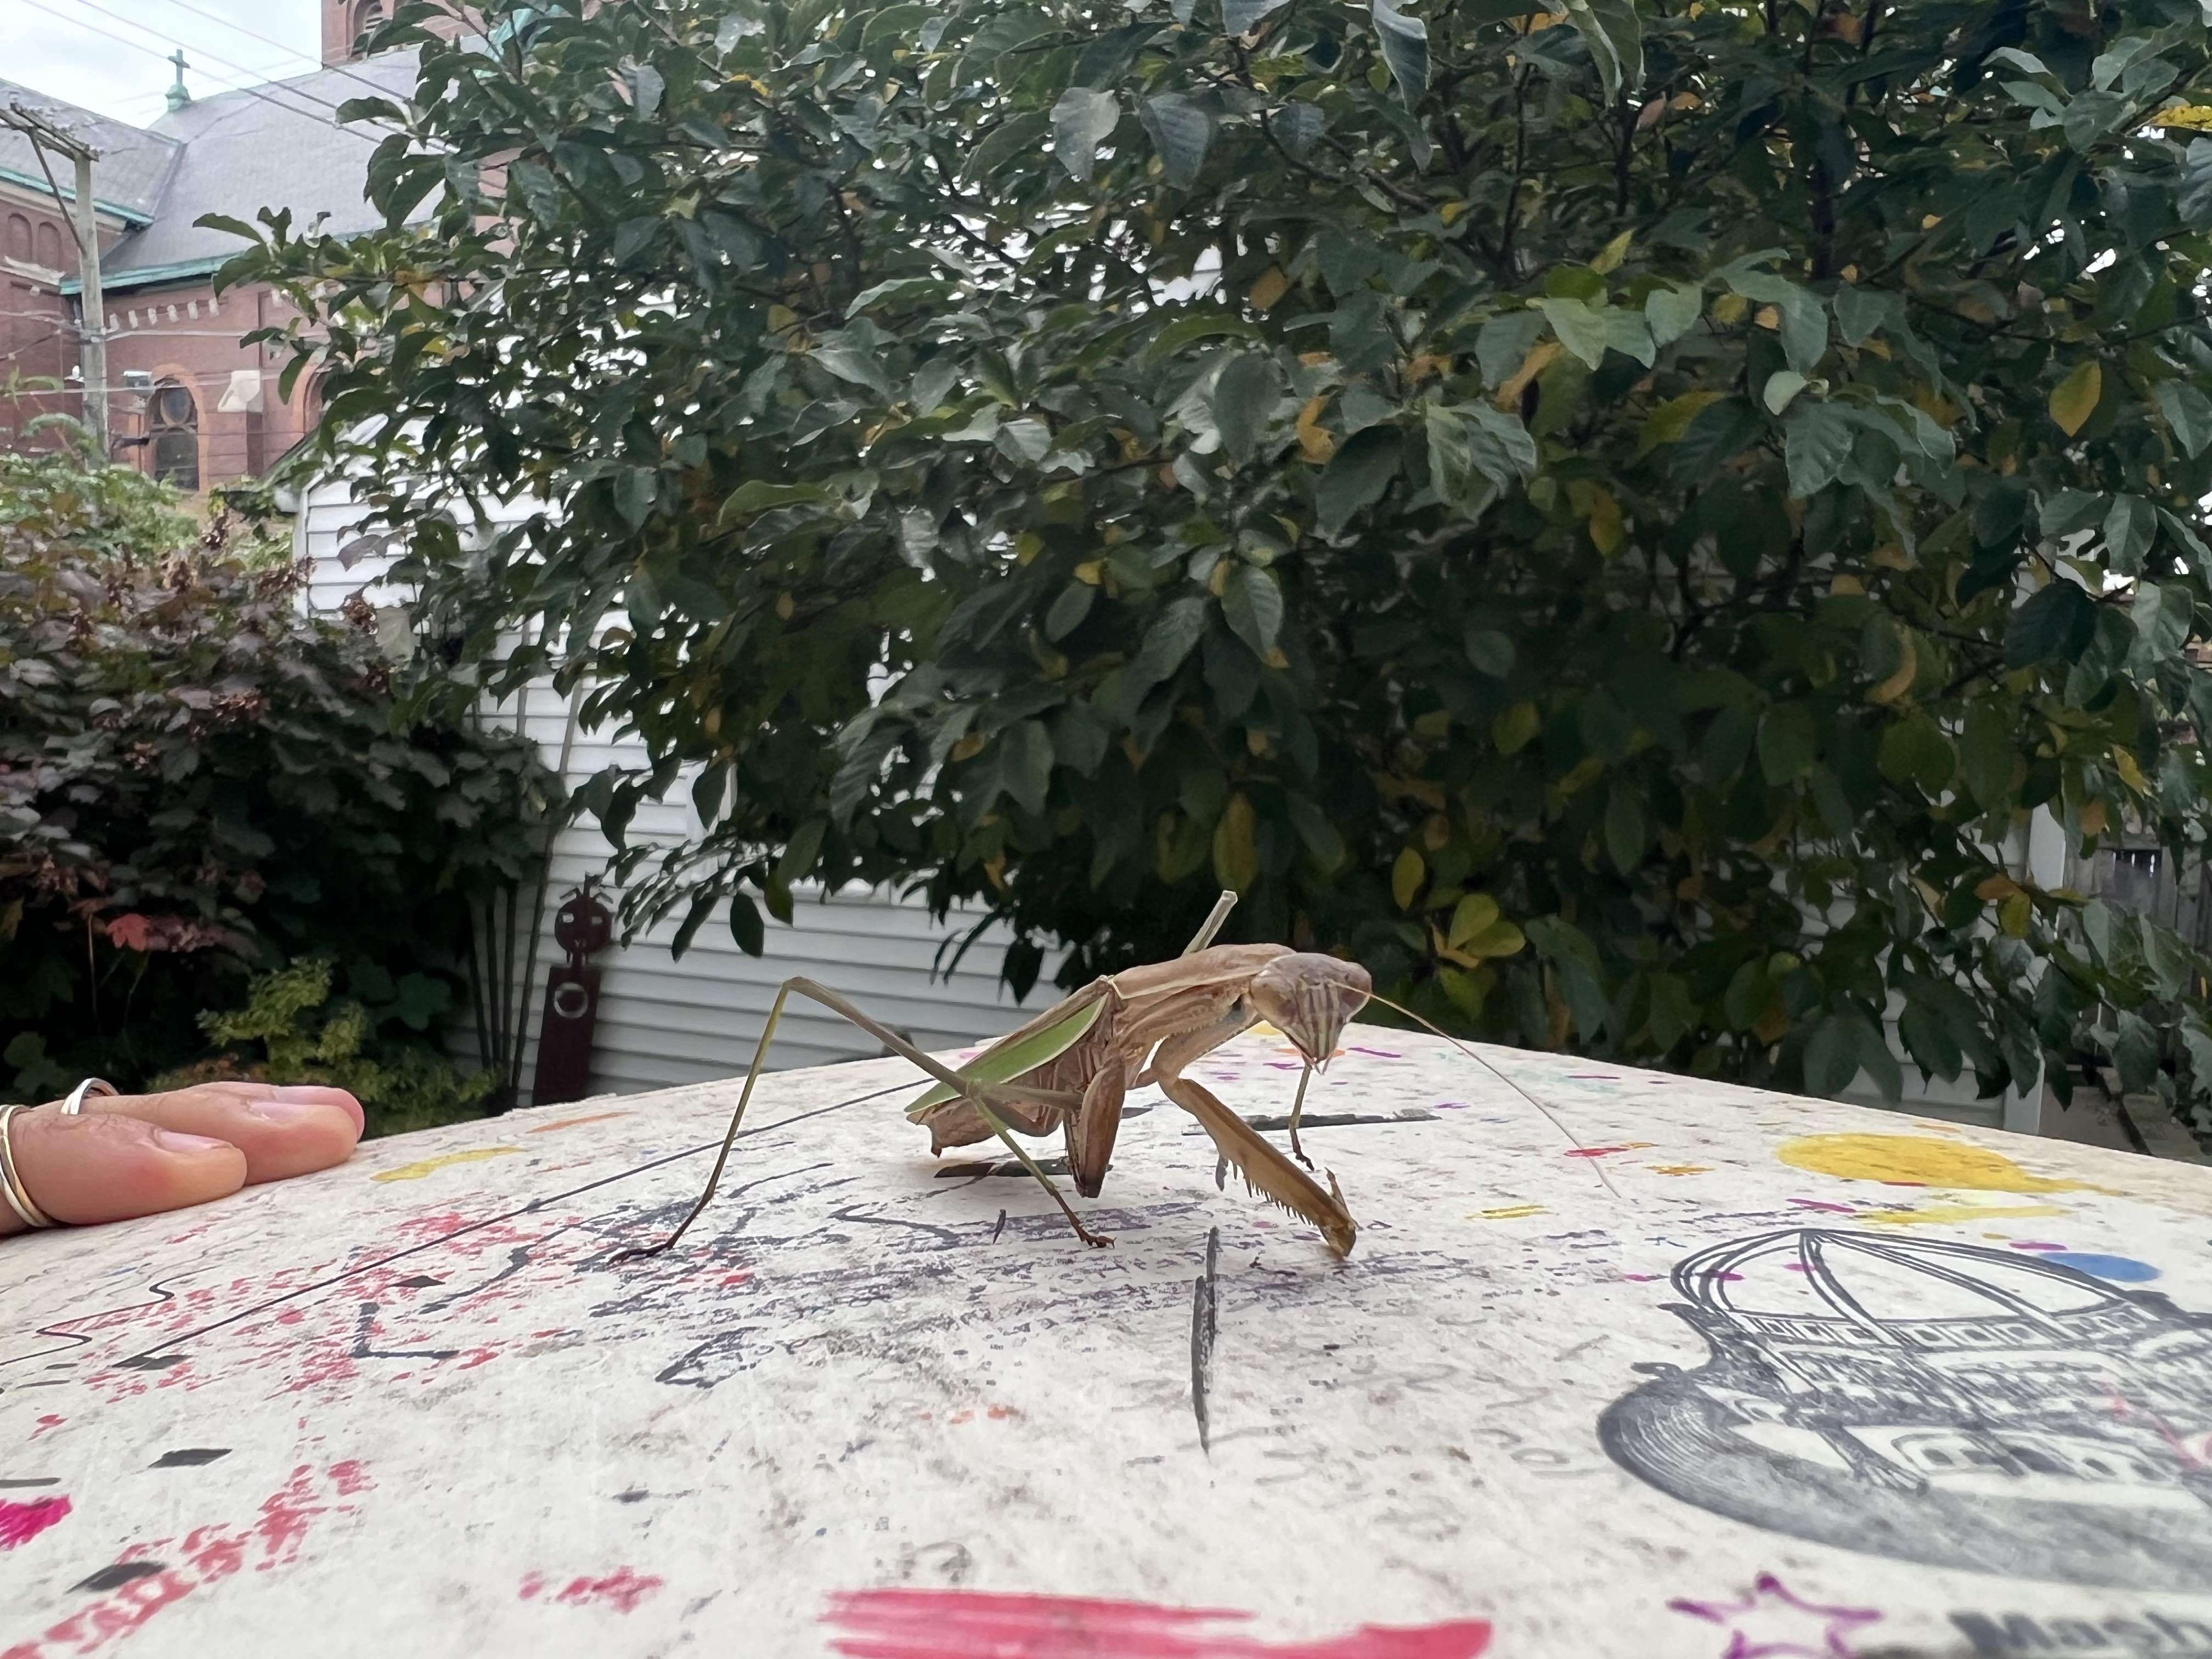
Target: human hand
134	1155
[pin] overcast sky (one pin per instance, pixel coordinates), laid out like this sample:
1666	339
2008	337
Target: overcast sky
76	49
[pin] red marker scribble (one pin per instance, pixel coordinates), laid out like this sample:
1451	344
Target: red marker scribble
1607	1151
20	1522
169	1569
921	1623
621	1589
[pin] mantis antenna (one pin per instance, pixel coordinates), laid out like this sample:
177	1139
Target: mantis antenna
1598	1168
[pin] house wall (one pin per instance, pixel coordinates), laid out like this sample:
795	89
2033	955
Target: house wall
663	1021
38	323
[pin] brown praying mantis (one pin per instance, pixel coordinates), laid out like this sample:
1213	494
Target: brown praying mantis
1070	1067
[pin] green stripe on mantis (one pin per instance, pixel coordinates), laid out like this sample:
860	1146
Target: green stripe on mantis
1016	1058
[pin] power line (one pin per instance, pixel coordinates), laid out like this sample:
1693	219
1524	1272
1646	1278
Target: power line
250	92
257	76
271	40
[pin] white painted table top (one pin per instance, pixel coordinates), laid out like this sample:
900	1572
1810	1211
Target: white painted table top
1711	1384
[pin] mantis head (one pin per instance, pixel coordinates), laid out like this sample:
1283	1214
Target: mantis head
1309	998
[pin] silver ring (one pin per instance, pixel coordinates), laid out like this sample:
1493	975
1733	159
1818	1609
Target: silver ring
92	1085
11	1184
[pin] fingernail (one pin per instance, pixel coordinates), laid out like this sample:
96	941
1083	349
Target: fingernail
308	1091
171	1141
281	1110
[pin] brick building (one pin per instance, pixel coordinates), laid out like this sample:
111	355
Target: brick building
184	399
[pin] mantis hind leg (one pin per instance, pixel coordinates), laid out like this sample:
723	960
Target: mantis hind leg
979	1097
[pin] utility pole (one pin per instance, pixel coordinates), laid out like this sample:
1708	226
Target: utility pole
84	228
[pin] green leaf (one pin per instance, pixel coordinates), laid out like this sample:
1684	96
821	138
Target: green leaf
1252	605
1202	325
1615	38
1502	344
1244	394
1986	753
1405	42
1781	388
1242	16
802	850
1356	475
1489	651
1407	872
2055	623
1589	331
702	906
1817	443
1672	1013
1181	129
1081	121
1671	312
1069	610
1914	751
746	926
1322	841
1832	1055
1787	740
1626	833
1475	453
2189	412
1861	312
756	495
1169	641
2129	530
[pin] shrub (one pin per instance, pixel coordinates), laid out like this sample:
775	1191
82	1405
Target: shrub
198	782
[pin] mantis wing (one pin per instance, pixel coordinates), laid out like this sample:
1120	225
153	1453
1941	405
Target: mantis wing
1044	1039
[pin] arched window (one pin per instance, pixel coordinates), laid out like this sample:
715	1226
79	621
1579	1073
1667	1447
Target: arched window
172	423
19	237
50	247
369	14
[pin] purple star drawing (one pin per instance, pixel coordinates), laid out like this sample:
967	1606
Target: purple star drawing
1770	1623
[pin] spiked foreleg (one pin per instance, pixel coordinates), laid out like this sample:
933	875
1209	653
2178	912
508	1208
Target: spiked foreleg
1264	1168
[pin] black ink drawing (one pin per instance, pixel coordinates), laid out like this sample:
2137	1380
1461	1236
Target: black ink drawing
1935	1402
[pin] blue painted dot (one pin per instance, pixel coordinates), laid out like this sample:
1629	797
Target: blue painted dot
2123	1269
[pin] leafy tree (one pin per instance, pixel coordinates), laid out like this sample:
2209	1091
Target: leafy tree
198	780
1616	519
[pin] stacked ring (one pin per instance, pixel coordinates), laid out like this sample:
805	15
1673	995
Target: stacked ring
91	1085
11	1184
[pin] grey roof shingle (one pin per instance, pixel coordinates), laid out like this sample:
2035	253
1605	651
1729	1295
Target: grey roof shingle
238	152
133	166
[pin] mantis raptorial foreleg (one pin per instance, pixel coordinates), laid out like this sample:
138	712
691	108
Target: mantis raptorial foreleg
979	1096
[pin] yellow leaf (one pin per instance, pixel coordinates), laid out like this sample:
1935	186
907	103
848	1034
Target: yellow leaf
1426	364
1027	546
1511	729
1610	256
1500	938
1539	358
1406	878
1996	887
2074	399
2130	774
1450	212
2013	916
1434	725
967	748
1769	317
1271	286
1217	583
1667	423
1235	844
1605	534
1090	571
1470	916
1907	671
2192	118
785	604
1729	308
1315	443
781	317
2093	818
1435	834
1845	584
